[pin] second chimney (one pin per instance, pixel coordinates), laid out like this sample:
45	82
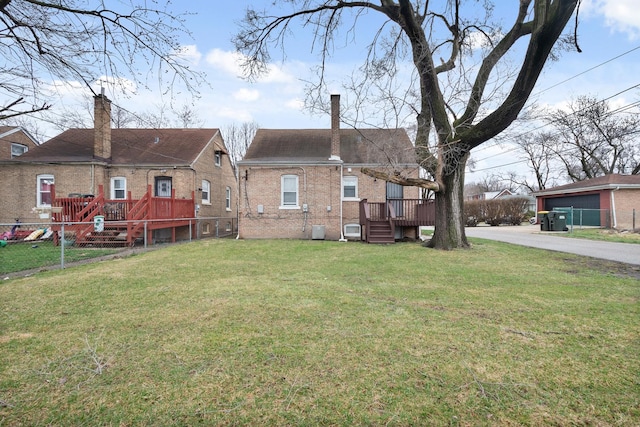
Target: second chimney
102	127
335	127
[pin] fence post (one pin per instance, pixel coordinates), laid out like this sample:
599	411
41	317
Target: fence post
62	248
634	219
217	224
145	234
190	231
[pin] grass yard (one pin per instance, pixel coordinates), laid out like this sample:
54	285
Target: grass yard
21	256
226	332
604	234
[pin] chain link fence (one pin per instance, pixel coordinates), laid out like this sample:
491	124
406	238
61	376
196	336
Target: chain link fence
35	246
603	218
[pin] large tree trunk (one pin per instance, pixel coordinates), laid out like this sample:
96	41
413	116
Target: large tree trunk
449	230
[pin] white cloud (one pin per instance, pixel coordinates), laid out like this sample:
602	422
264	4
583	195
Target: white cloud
246	95
620	15
295	104
236	115
229	63
190	54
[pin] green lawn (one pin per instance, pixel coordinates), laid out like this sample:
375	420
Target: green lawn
323	333
604	234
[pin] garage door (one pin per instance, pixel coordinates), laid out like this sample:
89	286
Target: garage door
589	204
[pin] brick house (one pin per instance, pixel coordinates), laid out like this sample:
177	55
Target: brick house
607	201
14	142
308	184
185	164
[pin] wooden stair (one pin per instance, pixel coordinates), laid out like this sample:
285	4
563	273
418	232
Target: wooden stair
113	236
381	232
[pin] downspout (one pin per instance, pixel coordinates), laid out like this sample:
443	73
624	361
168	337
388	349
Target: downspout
614	222
342	239
239	185
93	178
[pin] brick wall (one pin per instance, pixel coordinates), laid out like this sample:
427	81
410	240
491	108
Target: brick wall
626	200
18	191
319	187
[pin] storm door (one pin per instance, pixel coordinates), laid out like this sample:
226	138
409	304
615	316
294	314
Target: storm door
163	186
395	193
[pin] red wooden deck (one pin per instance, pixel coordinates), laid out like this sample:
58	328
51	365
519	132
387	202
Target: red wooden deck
125	218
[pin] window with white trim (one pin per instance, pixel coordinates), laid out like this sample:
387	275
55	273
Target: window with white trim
118	187
18	149
218	158
349	187
289	192
227	201
206	192
45	185
352	230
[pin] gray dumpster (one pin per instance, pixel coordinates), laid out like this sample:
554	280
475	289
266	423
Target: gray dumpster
557	221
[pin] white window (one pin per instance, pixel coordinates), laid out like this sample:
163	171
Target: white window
45	185
118	188
18	150
206	192
289	192
352	230
349	187
218	158
227	203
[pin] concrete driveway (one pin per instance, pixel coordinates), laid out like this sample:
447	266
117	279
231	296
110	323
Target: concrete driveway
531	236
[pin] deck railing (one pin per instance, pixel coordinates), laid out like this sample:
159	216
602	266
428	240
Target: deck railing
408	212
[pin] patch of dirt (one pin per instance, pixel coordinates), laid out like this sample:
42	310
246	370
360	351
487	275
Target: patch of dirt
617	269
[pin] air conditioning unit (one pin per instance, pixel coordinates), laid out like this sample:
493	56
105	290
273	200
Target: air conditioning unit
317	232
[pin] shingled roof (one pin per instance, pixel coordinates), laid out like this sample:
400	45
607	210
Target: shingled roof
600	183
357	146
128	146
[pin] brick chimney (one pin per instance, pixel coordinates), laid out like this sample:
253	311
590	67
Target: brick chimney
102	127
335	127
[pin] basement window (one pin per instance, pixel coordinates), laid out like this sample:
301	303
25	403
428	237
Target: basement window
352	230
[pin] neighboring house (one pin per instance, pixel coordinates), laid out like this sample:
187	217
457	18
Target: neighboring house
490	195
14	142
607	201
125	165
308	184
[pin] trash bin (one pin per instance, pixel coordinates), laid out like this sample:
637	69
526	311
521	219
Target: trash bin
543	217
557	221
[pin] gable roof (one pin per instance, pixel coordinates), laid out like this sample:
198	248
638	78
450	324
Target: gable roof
6	131
357	146
128	146
606	182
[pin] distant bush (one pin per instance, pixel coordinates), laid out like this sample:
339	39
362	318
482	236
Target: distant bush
512	210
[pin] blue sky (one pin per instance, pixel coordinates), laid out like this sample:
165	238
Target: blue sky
607	29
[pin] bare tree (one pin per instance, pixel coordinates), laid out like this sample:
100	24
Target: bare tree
237	138
435	37
187	117
593	140
540	155
121	117
75	40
